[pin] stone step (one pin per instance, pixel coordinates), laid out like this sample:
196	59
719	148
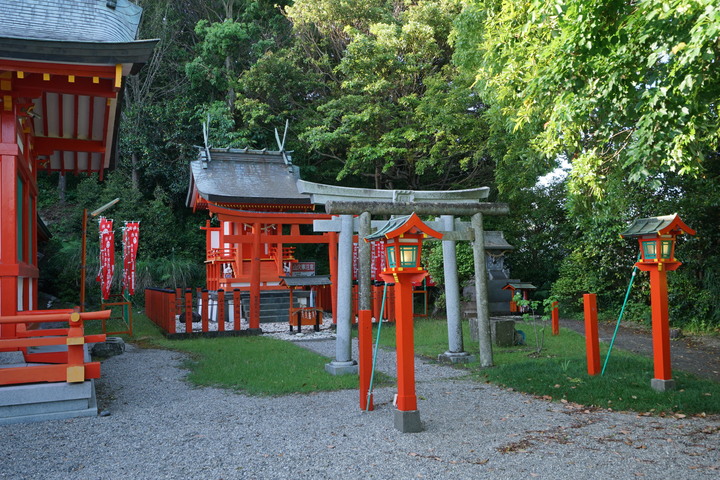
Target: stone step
47	401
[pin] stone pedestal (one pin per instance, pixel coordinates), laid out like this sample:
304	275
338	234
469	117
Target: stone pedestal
452	357
660	385
408	422
503	332
342	368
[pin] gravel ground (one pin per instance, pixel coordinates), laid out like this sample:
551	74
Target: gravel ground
161	427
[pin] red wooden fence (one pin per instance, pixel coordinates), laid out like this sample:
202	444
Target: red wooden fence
174	310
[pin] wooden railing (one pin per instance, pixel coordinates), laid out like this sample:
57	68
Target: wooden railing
59	366
160	308
174	310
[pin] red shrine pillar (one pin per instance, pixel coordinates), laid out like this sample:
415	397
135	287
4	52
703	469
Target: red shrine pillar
254	320
333	254
9	158
662	370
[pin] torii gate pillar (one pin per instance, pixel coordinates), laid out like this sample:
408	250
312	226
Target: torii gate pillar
343	363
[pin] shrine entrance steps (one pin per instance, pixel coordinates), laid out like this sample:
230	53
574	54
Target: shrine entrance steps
274	306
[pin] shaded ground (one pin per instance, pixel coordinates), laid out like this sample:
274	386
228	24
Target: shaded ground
695	353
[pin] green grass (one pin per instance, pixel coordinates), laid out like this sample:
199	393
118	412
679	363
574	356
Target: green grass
267	366
559	372
260	366
256	365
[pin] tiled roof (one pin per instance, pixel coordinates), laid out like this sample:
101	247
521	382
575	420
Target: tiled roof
520	286
246	177
306	281
70	20
666	224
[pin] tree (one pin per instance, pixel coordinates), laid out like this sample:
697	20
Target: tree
400	114
624	88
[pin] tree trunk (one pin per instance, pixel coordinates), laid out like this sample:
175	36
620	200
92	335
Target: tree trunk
135	172
62	188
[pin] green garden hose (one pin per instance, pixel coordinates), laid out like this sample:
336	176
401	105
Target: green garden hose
622	311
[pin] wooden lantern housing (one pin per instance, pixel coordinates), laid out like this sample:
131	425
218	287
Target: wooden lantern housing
656	237
402	238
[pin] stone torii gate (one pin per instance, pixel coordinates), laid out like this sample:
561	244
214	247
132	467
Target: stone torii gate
347	202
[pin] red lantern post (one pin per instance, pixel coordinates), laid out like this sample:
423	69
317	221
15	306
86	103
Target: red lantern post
656	236
403	238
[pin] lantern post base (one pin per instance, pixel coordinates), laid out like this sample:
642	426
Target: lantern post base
342	368
408	421
456	357
660	385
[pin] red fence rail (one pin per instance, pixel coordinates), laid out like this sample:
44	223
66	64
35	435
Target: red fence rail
186	311
64	366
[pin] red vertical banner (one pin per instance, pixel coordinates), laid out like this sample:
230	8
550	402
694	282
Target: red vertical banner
107	256
131	235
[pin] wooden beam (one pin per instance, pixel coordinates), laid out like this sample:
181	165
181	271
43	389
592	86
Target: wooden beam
406	208
47	145
32	85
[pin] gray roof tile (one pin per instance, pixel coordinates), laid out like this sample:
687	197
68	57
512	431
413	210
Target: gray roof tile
70	20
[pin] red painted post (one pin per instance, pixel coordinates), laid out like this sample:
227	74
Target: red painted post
180	301
365	352
255	278
406	399
171	306
221	310
333	254
236	309
660	324
592	342
188	310
205	298
555	314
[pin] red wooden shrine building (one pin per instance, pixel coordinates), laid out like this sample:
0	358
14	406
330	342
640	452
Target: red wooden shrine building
262	217
63	65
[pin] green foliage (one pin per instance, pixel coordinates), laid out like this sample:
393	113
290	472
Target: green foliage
619	85
433	261
401	115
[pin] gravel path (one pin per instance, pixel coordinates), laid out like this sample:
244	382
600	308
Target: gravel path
161	427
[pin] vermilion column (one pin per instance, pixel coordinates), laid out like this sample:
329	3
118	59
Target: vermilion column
255	279
333	257
592	341
662	380
9	152
660	324
404	338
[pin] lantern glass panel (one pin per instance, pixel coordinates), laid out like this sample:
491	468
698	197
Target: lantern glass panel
390	252
649	250
666	249
408	256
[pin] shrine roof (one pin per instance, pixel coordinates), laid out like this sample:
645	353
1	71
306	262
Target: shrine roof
519	286
495	240
67	60
80	32
70	21
246	178
663	225
306	281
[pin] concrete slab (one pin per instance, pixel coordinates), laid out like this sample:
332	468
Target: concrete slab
47	401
